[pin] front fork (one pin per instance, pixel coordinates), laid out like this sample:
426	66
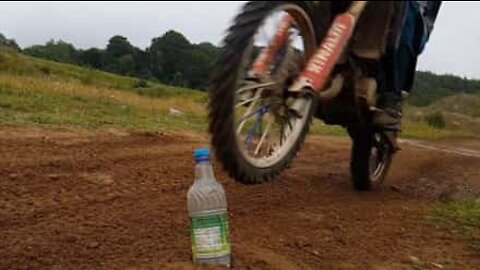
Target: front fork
267	56
320	66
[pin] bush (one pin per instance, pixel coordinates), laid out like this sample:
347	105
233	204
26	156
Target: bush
88	78
436	120
141	84
45	71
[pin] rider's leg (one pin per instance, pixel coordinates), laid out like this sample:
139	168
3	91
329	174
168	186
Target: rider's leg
398	69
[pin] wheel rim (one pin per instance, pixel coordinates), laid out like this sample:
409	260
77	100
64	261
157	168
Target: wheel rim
266	126
378	157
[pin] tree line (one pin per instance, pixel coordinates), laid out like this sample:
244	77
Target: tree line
174	60
429	87
171	58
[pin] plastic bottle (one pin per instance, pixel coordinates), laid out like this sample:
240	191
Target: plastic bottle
207	207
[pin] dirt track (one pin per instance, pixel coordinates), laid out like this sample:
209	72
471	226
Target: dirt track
117	201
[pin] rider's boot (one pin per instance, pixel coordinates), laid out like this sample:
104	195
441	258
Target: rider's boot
388	117
389	114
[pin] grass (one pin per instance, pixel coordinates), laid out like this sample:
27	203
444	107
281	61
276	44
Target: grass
465	104
461	218
318	127
422	131
465	213
26	101
36	92
18	64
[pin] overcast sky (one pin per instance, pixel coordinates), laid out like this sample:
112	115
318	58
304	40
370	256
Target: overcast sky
454	47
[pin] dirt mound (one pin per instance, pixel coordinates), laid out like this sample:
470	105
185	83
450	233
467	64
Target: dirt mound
118	201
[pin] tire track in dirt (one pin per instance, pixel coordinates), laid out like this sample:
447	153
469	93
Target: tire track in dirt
455	151
105	201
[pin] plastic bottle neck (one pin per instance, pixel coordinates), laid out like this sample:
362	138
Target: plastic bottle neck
204	171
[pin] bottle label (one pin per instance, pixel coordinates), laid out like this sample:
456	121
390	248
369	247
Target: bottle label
210	236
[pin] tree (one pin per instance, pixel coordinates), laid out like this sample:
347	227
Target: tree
119	46
170	56
201	63
126	65
155	59
141	61
93	58
208	48
123	58
8	43
59	51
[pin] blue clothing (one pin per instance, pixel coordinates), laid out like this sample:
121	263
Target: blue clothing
418	20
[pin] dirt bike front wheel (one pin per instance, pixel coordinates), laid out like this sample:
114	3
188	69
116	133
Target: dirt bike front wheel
257	126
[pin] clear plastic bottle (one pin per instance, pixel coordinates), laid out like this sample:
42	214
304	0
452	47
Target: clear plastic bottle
207	207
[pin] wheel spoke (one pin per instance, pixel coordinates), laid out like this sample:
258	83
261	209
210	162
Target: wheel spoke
248	116
256	86
286	125
265	134
251	135
252	132
290	125
249	113
245	102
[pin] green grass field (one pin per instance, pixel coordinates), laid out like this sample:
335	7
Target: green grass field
461	219
36	92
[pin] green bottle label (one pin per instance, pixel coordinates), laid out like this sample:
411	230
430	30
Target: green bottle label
210	236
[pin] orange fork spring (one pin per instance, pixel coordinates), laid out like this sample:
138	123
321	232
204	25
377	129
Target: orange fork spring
267	55
323	61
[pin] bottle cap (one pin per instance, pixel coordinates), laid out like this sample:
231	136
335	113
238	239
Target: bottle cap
202	154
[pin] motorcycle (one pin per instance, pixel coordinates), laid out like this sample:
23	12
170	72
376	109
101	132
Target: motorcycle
285	63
